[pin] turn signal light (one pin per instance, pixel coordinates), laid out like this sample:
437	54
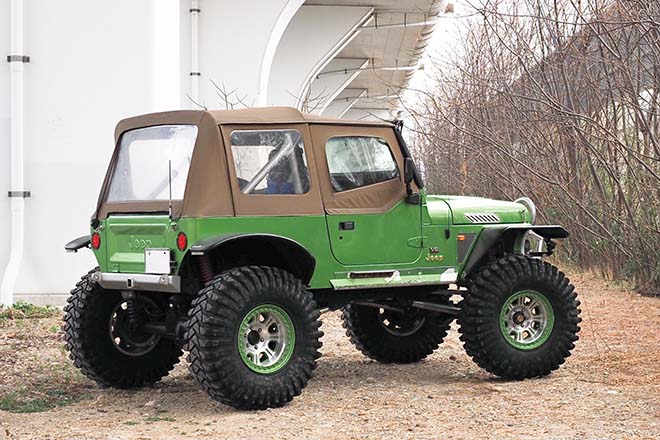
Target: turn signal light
96	240
182	241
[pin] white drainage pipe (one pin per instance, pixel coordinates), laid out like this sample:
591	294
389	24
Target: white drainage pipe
194	65
16	61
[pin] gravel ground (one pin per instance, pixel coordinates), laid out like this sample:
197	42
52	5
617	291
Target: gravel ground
609	389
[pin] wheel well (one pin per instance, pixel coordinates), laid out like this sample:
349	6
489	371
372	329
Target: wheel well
494	243
491	244
251	250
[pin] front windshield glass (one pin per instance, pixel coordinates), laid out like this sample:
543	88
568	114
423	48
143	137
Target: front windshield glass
143	166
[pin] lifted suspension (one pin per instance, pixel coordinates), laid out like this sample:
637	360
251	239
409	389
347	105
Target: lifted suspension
205	269
425	305
132	311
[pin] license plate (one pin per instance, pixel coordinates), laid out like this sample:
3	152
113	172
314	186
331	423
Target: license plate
157	261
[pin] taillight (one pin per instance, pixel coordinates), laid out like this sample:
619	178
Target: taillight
96	240
182	241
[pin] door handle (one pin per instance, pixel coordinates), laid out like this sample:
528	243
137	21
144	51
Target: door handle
347	226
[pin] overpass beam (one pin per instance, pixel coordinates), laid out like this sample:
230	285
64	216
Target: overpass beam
343	103
325	88
312	40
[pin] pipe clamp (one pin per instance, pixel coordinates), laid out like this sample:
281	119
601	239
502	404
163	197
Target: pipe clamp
18	59
21	194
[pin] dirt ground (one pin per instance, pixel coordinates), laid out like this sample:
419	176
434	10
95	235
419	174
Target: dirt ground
608	389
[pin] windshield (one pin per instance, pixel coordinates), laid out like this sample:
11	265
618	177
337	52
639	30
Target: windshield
145	157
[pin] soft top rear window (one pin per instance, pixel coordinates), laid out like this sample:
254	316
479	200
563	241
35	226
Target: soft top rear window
142	171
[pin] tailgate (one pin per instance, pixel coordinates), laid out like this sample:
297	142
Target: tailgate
128	236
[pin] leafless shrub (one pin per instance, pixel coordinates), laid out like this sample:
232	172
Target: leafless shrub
557	100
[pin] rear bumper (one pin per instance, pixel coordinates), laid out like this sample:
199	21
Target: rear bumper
138	281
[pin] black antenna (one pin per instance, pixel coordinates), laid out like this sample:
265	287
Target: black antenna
170	187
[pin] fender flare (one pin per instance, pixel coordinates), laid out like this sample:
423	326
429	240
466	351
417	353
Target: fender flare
302	257
78	243
490	235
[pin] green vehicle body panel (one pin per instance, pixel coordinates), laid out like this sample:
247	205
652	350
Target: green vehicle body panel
508	212
377	238
124	238
418	241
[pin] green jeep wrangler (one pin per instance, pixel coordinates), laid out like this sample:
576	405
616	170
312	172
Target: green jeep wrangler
228	233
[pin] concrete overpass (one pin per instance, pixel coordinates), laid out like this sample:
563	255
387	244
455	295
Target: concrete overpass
75	68
347	58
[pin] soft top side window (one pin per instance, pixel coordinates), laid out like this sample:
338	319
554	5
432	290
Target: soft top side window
357	161
270	161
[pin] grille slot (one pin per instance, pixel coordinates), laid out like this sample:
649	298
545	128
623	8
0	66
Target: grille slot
482	218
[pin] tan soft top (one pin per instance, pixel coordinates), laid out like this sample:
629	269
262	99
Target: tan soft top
258	115
208	191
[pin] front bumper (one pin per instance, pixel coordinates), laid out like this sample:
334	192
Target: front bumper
138	281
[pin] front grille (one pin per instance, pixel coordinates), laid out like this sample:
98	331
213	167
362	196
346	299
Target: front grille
482	218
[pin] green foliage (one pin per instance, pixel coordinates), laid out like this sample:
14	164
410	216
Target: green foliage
153	419
24	310
14	402
39	397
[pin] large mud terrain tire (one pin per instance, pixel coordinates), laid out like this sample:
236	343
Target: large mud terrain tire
520	318
393	337
92	320
254	337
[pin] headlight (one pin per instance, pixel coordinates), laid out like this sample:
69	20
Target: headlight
531	207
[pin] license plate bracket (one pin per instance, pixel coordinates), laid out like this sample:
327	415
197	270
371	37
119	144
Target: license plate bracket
157	261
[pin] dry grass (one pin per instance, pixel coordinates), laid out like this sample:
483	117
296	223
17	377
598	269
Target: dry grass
35	373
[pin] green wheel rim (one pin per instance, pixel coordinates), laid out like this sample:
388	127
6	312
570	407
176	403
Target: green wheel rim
266	339
527	319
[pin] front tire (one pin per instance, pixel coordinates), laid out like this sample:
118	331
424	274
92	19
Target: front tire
103	348
520	318
253	337
394	337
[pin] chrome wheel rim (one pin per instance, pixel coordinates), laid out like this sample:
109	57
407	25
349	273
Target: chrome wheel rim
527	319
266	339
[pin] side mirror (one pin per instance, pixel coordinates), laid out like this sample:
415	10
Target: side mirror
408	171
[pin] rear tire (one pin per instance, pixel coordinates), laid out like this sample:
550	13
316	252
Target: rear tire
253	337
89	341
390	338
520	318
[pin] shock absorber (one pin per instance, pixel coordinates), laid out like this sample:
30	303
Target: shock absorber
132	310
205	269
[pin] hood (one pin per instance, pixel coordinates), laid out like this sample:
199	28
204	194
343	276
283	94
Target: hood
478	210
